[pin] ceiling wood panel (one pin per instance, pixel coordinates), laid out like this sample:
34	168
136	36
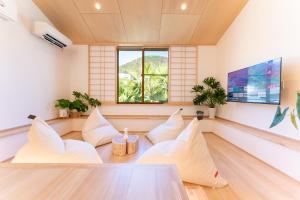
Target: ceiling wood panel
193	6
88	6
106	27
214	22
64	15
177	29
142	19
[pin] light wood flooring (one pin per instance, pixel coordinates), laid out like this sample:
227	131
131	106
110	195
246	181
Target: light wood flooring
248	177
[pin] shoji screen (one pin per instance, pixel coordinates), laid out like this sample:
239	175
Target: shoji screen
102	73
183	73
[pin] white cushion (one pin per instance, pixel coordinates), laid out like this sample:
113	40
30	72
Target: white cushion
168	130
43	137
29	154
45	146
190	154
80	152
97	130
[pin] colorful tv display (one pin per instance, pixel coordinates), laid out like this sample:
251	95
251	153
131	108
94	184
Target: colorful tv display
256	84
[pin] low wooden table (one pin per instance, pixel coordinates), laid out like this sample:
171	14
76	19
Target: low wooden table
132	144
89	182
121	146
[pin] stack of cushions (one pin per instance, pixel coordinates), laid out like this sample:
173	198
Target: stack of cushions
97	130
190	153
45	146
168	130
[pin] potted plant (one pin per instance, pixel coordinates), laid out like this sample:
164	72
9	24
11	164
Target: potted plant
86	99
210	94
63	107
81	103
77	107
200	114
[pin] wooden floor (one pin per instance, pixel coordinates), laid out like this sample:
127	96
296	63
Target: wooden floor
248	177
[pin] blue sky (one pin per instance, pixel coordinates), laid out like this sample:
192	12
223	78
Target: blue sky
127	56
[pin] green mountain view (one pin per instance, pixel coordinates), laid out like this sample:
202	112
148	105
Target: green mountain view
155	80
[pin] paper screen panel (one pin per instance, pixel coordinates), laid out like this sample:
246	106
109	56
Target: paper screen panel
183	73
102	73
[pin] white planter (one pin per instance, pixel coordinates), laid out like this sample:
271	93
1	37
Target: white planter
211	113
63	113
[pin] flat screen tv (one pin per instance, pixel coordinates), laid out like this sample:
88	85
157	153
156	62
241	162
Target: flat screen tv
260	83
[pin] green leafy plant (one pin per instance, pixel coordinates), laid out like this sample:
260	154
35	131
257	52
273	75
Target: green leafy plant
210	94
298	104
279	116
85	98
62	103
78	105
155	80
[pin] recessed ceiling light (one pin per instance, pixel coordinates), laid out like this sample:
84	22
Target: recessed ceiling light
98	6
183	6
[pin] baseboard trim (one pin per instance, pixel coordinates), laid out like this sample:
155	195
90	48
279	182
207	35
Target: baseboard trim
272	137
26	127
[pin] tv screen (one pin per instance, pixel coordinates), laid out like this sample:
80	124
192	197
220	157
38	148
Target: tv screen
256	84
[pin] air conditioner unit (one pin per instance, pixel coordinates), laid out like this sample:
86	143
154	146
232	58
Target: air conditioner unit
8	10
50	34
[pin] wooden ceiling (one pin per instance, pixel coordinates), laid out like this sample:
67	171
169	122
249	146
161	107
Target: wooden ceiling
142	21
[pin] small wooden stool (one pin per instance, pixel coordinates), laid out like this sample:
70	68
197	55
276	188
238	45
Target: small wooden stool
132	144
119	146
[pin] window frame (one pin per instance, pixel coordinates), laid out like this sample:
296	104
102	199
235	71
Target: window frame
142	49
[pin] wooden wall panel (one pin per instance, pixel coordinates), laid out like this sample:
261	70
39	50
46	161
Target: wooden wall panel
193	6
147	22
88	6
64	15
177	29
141	19
106	27
215	20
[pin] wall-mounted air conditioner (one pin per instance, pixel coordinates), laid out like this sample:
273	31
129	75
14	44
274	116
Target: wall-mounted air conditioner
8	10
50	34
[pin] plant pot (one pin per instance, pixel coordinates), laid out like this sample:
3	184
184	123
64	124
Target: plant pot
200	115
63	113
212	113
75	114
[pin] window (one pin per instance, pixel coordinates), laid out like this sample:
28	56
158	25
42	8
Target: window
142	75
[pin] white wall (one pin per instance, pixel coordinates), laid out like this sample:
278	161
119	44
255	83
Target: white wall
78	62
33	73
207	62
265	29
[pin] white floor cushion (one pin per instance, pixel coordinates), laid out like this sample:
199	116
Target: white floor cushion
168	130
80	152
46	146
190	154
97	130
43	137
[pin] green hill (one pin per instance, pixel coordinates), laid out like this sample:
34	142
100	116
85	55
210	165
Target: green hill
155	86
153	61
